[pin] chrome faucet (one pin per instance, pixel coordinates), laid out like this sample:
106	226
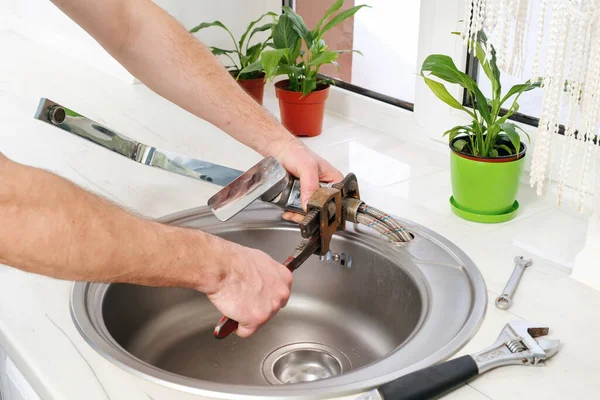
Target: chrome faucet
76	124
267	180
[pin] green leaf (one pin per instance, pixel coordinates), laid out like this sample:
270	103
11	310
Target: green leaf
323	58
205	25
520	88
252	54
523	130
460	128
442	93
459	145
296	52
491	71
284	33
505	148
318	46
454	132
286	69
482	106
299	26
270	60
513	135
494	153
453	135
262	28
255	66
340	18
308	85
444	68
251	25
334	7
221	52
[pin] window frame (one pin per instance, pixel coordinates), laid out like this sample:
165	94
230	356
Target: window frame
406	105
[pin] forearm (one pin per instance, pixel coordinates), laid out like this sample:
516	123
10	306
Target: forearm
52	227
163	55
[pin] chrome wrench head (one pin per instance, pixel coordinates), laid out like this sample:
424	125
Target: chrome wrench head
263	181
518	344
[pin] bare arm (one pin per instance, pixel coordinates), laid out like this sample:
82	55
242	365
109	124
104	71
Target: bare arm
156	49
52	227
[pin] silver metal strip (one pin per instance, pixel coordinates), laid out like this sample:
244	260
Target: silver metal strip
76	124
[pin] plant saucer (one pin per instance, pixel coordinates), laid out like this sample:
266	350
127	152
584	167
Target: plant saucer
484	218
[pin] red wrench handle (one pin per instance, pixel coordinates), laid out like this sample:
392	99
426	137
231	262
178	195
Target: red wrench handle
227	326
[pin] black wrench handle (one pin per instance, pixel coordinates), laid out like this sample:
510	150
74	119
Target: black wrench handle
431	382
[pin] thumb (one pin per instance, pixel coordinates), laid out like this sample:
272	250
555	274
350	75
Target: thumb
244	331
309	182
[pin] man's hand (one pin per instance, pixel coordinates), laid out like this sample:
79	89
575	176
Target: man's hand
160	52
254	287
311	169
53	227
171	62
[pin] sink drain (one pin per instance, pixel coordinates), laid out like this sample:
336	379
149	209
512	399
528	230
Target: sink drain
304	362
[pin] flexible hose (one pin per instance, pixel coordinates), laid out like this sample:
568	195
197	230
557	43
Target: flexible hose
380	226
386	219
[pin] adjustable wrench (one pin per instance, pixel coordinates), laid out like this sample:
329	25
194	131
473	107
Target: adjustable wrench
519	343
327	213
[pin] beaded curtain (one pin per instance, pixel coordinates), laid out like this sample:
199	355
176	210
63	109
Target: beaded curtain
567	36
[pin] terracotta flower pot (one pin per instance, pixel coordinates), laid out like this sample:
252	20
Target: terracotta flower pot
254	87
302	115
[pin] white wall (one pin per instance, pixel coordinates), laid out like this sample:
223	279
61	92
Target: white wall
7	12
387	34
7	7
42	21
234	14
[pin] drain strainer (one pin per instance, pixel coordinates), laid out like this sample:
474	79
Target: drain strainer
304	362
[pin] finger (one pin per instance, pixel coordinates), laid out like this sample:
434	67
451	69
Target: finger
284	301
245	332
328	173
294	217
309	182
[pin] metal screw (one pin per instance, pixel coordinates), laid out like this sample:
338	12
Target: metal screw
57	115
342	258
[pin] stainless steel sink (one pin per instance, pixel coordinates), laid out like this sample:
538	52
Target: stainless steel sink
347	328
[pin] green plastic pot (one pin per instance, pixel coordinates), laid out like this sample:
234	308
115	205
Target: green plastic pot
485	189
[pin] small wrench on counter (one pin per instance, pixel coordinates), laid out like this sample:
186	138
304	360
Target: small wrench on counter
504	301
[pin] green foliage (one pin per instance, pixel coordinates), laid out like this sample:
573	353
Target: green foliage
489	135
248	63
299	52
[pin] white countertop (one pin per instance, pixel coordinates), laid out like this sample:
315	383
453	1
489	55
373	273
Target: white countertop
35	324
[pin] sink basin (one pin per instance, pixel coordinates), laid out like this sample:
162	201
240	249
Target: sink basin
353	322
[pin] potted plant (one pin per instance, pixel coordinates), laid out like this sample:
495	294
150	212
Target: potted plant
487	155
253	81
299	53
